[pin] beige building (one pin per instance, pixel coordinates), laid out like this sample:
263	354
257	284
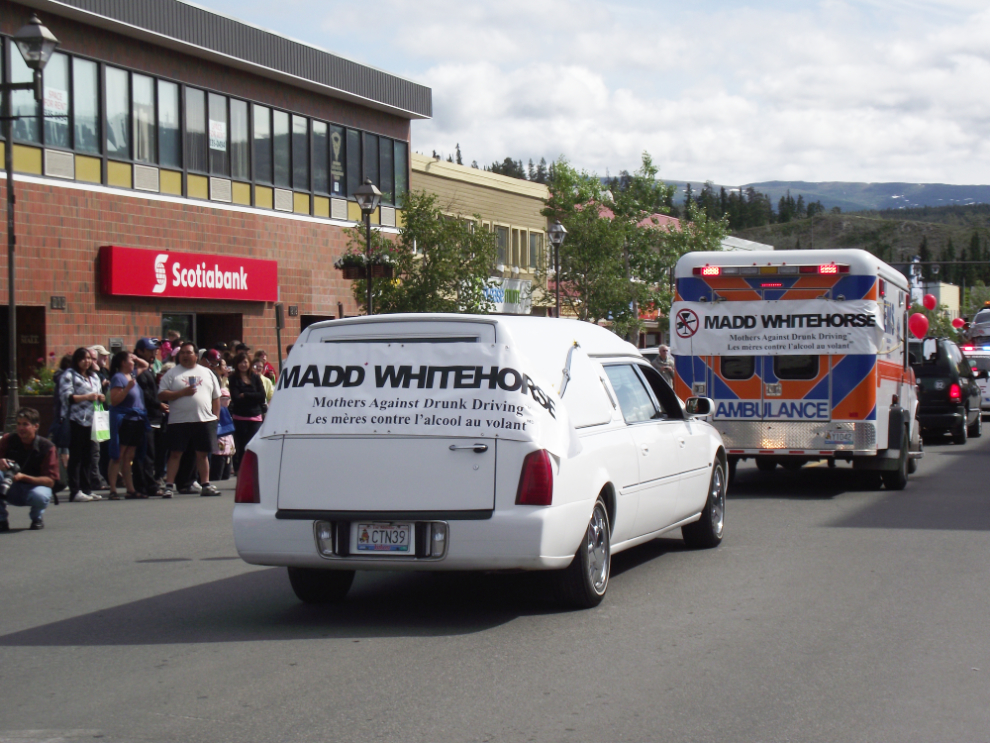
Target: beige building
510	207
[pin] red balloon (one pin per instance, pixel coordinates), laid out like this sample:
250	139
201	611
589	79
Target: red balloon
958	322
918	325
929	301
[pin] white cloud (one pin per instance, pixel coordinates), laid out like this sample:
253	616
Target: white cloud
874	90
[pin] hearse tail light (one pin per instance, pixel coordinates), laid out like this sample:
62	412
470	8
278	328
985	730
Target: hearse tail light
247	480
536	480
955	393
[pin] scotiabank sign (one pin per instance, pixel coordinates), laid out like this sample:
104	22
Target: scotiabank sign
135	272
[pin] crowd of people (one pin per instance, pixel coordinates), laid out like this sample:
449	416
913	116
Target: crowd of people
163	419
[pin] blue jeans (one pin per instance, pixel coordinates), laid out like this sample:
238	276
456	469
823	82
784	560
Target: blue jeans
36	497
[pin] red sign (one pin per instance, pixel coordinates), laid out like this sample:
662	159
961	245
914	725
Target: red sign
135	272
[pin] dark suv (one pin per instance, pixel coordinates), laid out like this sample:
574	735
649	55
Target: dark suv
948	395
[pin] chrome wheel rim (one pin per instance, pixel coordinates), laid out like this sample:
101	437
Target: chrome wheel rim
597	544
716	496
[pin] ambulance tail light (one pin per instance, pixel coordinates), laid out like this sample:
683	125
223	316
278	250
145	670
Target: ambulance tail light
955	393
247	480
825	269
535	480
707	271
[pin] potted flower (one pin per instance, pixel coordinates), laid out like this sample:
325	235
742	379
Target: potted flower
382	265
354	265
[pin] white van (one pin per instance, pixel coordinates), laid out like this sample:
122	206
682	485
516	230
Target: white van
458	442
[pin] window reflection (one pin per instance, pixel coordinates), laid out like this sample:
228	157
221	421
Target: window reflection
57	101
118	114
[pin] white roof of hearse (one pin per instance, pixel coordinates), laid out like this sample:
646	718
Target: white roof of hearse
860	262
544	340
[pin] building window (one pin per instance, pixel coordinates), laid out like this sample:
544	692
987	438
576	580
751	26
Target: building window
57	101
502	240
26	129
401	172
283	153
353	160
86	105
387	186
321	179
169	136
143	115
337	183
262	144
239	165
516	249
535	249
300	153
118	114
196	144
218	135
371	159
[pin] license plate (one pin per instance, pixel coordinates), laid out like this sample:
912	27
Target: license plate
382	538
839	437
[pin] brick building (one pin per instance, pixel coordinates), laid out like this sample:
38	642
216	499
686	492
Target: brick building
169	130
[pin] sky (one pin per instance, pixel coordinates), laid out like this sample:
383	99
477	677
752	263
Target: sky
732	92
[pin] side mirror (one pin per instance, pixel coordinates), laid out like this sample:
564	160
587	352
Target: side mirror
699	407
983	374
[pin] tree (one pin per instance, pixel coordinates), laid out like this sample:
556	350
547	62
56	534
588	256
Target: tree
618	256
541	171
924	254
949	271
509	167
442	263
459	159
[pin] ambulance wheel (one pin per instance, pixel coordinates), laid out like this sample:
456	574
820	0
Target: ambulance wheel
765	465
897	479
870	480
314	586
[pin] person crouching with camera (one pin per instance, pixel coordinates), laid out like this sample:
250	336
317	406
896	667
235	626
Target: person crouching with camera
28	469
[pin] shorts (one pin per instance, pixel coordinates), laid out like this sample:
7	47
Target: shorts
201	437
130	432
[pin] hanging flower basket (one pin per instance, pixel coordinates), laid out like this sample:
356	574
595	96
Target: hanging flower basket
354	272
381	271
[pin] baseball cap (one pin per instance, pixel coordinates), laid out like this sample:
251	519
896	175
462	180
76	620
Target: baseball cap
100	350
213	355
145	344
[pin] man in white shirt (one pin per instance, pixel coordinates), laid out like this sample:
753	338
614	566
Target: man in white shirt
193	396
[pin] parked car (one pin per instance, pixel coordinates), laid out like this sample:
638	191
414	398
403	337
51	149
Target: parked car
452	442
979	357
949	397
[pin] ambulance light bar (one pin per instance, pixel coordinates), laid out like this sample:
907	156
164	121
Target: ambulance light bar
826	269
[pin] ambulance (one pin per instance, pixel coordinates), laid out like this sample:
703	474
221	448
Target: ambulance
804	355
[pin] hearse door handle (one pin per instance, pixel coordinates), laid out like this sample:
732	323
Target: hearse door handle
476	448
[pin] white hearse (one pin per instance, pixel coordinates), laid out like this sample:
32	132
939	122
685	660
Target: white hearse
460	442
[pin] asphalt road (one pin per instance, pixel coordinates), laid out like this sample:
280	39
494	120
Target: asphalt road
828	614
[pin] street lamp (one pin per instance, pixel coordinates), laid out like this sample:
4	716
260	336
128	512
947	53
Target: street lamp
367	197
36	44
557	235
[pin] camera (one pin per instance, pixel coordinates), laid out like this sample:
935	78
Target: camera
8	479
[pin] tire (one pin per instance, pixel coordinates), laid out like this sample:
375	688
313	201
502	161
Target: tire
765	465
583	583
707	531
897	479
870	480
913	463
976	430
961	434
315	586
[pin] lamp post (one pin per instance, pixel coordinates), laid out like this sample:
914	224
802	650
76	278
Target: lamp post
36	44
557	235
367	197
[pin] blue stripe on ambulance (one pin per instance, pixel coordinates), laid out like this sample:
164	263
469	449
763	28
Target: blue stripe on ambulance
847	375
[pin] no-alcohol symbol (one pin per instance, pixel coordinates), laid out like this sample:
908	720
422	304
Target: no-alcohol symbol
686	323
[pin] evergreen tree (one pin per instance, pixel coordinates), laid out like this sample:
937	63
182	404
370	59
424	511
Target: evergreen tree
799	209
531	170
474	164
458	151
509	167
688	197
949	272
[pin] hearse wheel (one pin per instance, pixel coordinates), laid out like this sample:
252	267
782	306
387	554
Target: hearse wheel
897	479
976	430
583	583
314	586
706	532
